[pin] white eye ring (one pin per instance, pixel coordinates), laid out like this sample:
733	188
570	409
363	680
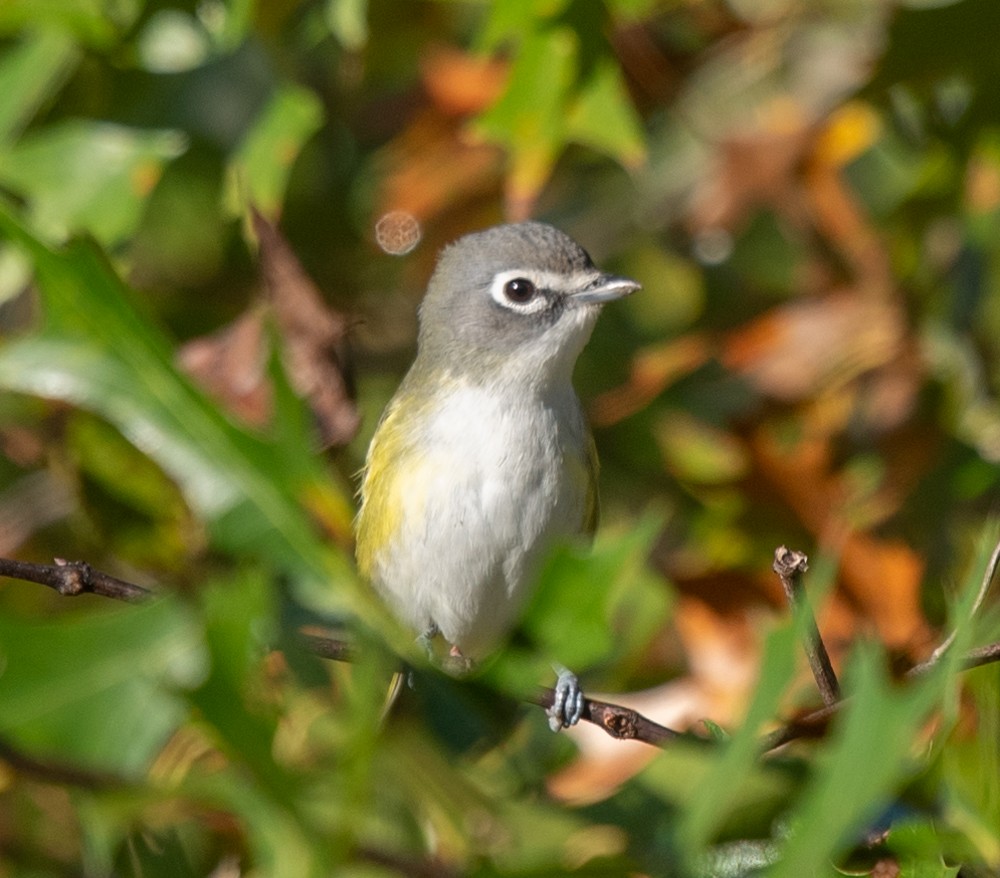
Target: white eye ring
561	284
506	285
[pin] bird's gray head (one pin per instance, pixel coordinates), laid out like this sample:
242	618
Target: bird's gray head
521	298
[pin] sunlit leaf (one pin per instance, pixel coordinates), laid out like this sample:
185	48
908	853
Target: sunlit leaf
866	758
347	21
528	118
87	176
98	353
95	22
264	160
30	71
602	116
96	689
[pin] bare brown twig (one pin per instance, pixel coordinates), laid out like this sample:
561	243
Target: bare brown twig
790	565
57	772
78	577
72	578
620	722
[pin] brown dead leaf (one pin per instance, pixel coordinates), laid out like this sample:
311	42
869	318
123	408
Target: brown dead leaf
794	166
880	576
653	370
753	170
837	213
723	654
604	763
313	337
231	363
883	577
432	165
814	346
460	84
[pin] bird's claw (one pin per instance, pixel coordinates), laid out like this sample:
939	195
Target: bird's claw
567	706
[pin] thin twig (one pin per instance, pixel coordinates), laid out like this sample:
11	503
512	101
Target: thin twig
78	577
57	772
811	725
71	578
623	723
331	648
984	587
790	565
620	722
406	865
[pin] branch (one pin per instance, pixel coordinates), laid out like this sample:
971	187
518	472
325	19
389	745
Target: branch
58	772
790	565
984	587
72	578
77	577
406	865
620	722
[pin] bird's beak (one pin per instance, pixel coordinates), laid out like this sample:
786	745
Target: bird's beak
605	288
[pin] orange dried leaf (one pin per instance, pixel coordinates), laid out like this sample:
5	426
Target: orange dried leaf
813	346
653	370
460	84
313	337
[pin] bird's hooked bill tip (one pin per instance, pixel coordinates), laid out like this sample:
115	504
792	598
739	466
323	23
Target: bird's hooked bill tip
605	289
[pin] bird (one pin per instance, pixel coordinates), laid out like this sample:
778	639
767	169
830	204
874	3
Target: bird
483	458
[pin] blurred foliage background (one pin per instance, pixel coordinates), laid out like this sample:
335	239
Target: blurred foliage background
808	192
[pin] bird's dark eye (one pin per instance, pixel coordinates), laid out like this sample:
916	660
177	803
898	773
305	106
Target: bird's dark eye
519	290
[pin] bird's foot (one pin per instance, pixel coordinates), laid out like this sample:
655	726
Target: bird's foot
456	663
426	640
567	707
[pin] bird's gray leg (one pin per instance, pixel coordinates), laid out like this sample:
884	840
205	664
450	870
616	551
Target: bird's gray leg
567	708
426	640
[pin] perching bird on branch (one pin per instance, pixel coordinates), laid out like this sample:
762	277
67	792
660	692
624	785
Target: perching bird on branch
483	457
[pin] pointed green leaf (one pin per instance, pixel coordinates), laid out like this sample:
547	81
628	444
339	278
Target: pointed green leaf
30	72
602	116
264	160
87	176
95	351
95	689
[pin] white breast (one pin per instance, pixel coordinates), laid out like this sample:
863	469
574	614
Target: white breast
494	491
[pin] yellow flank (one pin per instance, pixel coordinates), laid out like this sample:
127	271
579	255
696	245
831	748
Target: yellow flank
381	512
396	484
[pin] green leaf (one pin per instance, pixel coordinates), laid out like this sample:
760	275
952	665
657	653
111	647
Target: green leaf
717	795
678	776
511	19
90	176
95	689
602	117
95	22
588	606
528	119
920	848
96	352
264	160
31	71
716	731
564	86
347	20
867	758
